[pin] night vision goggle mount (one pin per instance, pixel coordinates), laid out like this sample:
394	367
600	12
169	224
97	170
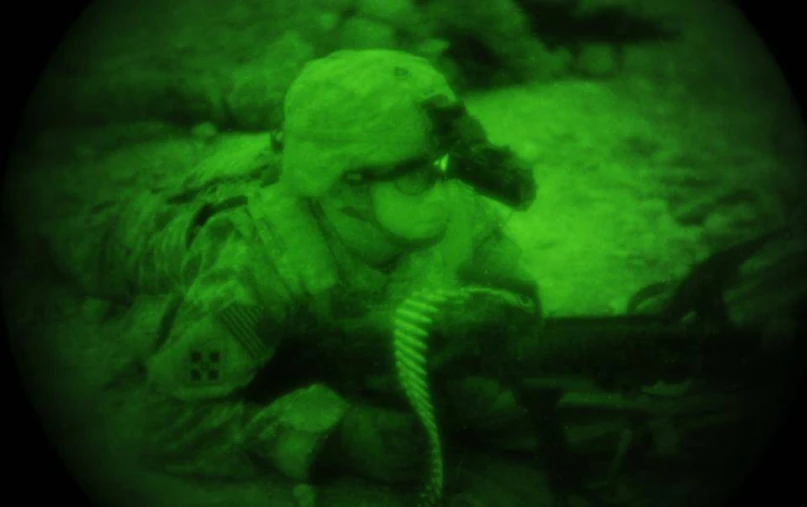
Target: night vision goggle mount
493	171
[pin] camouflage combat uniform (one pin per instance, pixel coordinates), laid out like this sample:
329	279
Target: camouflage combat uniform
249	274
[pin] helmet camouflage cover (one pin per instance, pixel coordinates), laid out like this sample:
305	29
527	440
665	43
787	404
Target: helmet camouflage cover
356	109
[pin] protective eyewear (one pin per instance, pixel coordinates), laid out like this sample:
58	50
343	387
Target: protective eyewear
412	177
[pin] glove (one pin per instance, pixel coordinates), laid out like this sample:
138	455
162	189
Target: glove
291	433
385	445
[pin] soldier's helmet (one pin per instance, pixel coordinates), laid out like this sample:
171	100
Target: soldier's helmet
357	110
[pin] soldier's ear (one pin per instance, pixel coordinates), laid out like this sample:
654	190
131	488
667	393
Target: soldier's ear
277	141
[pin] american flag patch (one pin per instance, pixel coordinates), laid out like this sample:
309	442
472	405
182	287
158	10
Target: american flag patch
249	325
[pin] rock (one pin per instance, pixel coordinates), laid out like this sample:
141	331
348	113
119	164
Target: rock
205	131
493	43
488	482
177	63
144	92
257	88
531	61
57	145
391	11
771	286
363	33
431	49
328	21
597	61
305	494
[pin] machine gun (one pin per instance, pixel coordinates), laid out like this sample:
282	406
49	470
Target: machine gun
599	387
574	371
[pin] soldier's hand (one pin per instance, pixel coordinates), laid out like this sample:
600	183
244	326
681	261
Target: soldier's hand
382	444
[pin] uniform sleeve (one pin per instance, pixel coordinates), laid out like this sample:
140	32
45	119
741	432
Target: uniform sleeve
234	315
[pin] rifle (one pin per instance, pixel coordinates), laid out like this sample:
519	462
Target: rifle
595	363
610	351
690	334
599	364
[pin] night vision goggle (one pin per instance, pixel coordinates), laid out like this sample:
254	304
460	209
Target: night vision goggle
493	171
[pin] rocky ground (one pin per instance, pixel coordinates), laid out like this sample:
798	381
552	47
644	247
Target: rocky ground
640	176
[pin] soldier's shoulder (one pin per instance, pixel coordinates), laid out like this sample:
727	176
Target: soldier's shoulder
289	233
252	204
202	360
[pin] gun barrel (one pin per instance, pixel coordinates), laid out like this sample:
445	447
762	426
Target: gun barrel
629	346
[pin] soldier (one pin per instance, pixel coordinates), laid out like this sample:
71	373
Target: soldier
285	295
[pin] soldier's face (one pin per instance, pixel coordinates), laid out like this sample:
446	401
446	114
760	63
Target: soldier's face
412	206
412	217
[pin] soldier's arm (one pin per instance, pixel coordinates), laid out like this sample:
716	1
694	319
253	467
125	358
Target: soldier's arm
236	315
